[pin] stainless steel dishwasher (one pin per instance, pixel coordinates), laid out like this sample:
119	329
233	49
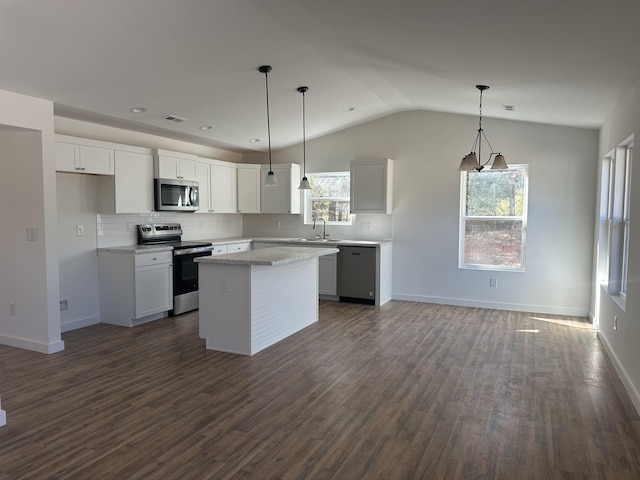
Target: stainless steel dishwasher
357	274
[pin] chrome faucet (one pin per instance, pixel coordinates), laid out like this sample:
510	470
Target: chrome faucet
324	226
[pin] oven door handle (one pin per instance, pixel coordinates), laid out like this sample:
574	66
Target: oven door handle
189	251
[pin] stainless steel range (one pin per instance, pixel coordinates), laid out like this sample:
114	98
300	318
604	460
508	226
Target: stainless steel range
185	270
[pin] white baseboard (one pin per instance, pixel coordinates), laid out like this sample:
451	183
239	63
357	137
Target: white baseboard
516	307
622	373
34	345
75	324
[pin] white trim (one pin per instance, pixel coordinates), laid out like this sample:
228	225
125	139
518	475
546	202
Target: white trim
80	323
515	307
622	373
36	346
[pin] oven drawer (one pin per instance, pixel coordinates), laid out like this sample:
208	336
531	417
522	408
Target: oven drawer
155	258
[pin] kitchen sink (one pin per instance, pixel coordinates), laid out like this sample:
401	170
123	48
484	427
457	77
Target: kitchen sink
318	239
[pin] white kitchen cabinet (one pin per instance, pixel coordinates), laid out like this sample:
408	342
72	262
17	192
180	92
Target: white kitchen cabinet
218	186
79	155
284	197
130	190
372	186
135	289
219	250
174	165
153	284
328	275
248	188
238	247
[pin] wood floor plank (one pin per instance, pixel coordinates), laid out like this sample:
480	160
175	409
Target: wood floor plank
403	391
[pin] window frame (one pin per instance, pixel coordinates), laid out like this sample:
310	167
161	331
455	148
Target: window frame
308	199
617	167
463	217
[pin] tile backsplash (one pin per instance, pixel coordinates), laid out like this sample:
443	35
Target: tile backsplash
364	227
116	230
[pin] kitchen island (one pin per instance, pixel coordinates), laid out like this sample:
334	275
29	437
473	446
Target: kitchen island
251	300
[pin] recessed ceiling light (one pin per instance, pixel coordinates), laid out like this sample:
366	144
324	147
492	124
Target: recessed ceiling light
138	110
205	127
254	140
349	109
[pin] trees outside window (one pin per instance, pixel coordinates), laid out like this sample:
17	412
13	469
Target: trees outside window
329	198
493	218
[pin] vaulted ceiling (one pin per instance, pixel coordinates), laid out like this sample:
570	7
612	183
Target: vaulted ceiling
565	62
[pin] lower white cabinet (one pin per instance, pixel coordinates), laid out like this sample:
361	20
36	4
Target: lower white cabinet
219	250
238	247
328	275
135	289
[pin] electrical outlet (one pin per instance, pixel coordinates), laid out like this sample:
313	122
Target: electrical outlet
12	309
224	286
79	230
493	282
32	234
64	305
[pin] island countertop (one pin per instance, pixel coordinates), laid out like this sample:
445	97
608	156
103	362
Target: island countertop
268	256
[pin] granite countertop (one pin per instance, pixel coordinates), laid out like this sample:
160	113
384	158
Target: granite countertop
311	242
327	242
137	249
268	256
228	241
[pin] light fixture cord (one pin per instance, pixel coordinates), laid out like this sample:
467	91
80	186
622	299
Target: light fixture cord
266	83
304	137
480	132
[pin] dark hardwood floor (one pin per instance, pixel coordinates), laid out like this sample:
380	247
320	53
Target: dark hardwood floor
405	391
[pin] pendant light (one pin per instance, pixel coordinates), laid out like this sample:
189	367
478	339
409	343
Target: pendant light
271	179
304	183
473	161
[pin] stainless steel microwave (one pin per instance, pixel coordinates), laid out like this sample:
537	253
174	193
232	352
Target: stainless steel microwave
176	195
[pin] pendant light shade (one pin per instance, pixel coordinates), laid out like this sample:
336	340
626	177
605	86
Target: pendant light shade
271	179
304	183
472	161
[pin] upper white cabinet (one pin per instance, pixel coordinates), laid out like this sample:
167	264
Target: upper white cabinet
218	186
130	190
175	165
80	155
284	197
372	186
248	182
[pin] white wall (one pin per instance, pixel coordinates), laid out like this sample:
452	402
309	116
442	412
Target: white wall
427	148
79	128
77	205
28	269
623	344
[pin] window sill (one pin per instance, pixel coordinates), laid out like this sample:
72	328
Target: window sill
620	300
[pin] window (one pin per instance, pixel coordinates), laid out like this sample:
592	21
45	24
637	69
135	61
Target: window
328	198
493	218
615	199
